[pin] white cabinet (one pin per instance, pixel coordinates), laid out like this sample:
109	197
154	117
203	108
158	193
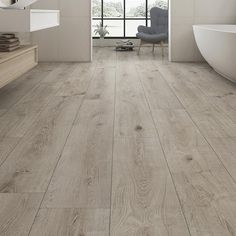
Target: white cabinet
28	20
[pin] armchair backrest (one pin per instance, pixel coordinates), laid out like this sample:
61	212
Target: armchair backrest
159	20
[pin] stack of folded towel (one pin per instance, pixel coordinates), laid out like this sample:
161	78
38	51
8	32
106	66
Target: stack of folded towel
9	42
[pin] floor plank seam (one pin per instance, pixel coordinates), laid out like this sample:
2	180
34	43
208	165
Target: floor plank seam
210	100
113	143
166	161
27	93
198	128
44	107
77	113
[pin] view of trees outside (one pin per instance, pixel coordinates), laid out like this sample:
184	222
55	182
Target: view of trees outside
97	8
115	9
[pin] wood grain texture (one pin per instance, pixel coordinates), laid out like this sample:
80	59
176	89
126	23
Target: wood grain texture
204	77
17	213
17	120
20	117
144	201
226	150
83	176
126	145
77	81
71	222
158	92
13	92
6	146
132	112
30	165
209	117
207	192
106	57
191	96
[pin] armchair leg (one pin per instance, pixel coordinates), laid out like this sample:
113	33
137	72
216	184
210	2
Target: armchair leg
140	45
153	48
162	48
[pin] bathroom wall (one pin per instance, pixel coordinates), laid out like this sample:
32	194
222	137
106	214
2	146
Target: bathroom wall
185	13
72	40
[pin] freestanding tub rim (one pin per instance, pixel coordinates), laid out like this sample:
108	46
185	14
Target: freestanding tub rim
231	29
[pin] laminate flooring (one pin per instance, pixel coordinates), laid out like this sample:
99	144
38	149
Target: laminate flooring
128	145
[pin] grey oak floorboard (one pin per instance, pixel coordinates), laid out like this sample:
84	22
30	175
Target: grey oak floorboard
227	104
210	118
7	144
191	97
71	222
83	176
207	191
17	213
144	201
30	165
132	112
105	57
13	92
226	150
19	118
77	81
67	169
158	92
204	77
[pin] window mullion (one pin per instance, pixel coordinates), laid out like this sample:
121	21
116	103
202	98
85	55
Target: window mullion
146	12
102	15
124	19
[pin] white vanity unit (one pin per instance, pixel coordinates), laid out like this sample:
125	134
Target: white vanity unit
28	20
16	18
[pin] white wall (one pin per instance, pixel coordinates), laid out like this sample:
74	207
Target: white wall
185	13
71	41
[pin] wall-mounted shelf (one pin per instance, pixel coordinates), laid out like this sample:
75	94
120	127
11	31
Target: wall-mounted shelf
28	20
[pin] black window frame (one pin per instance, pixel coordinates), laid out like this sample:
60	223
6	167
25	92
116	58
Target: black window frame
124	18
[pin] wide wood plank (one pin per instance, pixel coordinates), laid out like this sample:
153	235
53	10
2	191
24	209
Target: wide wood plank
30	166
6	146
21	116
207	191
83	176
13	92
158	92
204	77
110	177
144	201
16	122
71	222
227	104
17	213
77	81
211	119
226	150
132	111
214	123
105	57
188	94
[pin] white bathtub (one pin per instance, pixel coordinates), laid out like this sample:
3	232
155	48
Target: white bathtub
217	43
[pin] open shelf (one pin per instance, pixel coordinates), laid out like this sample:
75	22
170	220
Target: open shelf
28	20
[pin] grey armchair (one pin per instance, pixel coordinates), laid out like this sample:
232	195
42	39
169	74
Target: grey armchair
158	32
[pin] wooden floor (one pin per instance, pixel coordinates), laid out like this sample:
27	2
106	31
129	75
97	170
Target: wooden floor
125	146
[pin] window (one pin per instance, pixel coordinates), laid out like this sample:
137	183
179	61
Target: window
122	17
